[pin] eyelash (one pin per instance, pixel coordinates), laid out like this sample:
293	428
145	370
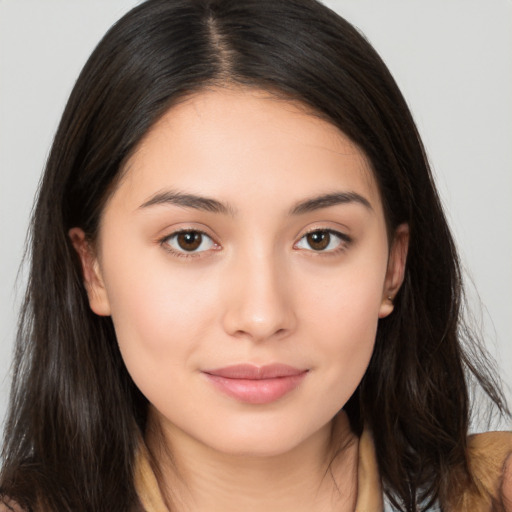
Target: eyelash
345	241
164	242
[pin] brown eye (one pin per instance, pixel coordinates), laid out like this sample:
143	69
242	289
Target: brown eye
189	240
323	240
318	240
183	242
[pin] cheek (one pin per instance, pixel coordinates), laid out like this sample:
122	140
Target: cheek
347	340
160	317
343	314
346	299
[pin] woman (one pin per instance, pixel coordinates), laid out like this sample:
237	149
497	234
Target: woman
243	293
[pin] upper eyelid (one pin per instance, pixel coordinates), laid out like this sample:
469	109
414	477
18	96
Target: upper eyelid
336	232
204	232
330	230
333	226
187	230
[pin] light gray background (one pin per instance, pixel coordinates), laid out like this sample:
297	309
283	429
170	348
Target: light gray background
451	58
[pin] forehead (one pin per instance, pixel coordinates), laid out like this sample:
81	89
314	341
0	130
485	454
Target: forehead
228	141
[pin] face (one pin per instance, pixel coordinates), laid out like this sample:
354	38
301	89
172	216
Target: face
245	263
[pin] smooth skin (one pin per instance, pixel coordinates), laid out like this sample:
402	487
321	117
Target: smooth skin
246	229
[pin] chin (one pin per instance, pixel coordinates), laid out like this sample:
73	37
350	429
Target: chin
255	448
264	439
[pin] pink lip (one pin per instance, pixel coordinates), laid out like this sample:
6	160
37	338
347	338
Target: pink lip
256	384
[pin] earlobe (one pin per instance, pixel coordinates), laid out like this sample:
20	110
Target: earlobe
396	269
93	280
386	307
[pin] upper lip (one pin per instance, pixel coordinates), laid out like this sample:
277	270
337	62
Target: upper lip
254	372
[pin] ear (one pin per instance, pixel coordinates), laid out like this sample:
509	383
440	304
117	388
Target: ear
396	269
93	280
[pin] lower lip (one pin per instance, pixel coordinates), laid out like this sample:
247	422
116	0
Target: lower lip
257	391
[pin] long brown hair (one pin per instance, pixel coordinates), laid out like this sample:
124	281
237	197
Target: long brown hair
75	415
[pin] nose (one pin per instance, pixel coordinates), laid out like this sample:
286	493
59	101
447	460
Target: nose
259	304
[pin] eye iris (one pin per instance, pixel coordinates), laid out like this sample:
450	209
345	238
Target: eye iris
319	240
189	240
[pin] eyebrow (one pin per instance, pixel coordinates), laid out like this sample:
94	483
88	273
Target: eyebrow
214	206
326	200
189	201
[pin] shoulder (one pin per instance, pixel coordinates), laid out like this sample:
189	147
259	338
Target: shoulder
490	462
489	453
497	442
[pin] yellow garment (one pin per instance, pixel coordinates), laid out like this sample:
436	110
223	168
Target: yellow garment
488	453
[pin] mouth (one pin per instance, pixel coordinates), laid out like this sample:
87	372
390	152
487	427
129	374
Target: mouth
256	384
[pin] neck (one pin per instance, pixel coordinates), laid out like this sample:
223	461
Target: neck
319	474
